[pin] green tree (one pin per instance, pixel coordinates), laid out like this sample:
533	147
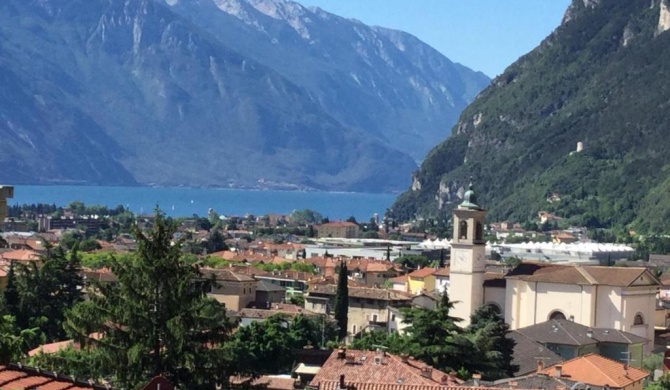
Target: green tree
265	346
88	363
14	342
435	338
492	350
306	217
157	319
216	242
11	298
341	304
47	292
376	339
663	383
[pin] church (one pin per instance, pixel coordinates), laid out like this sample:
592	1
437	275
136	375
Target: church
622	298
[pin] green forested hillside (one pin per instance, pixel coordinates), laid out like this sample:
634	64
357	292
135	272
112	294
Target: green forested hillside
603	79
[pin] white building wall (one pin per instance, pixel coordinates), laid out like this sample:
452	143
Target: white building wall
609	308
640	300
442	284
496	296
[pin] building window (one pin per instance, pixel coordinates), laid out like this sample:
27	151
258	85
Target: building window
463	230
495	308
479	232
557	315
374	318
392	317
638	320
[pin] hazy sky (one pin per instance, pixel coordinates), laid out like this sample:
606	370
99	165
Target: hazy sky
485	35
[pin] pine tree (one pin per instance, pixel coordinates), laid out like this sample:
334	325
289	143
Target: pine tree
156	319
492	350
434	336
341	305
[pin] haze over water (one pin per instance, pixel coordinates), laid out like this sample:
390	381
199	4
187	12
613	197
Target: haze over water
189	201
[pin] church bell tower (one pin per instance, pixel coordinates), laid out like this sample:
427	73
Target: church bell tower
468	260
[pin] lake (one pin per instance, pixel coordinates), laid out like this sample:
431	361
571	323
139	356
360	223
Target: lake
188	201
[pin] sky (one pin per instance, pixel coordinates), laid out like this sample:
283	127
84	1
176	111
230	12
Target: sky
485	35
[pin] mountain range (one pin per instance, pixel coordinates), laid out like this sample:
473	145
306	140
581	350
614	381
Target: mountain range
578	128
220	93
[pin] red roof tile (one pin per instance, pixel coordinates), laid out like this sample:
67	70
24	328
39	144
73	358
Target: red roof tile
422	273
597	370
379	369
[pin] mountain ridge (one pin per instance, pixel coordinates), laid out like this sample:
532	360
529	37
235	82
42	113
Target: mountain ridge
132	92
598	80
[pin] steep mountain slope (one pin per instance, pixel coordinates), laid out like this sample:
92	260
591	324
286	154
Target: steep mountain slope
600	79
380	81
125	92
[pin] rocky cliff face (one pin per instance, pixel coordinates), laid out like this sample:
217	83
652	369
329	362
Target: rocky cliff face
384	82
582	116
133	92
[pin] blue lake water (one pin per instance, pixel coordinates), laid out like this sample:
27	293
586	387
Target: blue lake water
189	201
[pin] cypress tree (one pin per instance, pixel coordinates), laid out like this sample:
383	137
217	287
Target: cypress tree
342	301
11	298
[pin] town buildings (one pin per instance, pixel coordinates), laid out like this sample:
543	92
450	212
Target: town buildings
621	298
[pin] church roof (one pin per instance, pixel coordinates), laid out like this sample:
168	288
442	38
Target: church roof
568	332
586	275
527	353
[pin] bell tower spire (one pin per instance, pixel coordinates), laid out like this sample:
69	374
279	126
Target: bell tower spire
468	256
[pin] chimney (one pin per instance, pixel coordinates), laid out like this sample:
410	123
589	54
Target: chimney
625	369
558	371
404	358
589	333
444	381
540	365
351	359
342	385
476	378
341	353
427	371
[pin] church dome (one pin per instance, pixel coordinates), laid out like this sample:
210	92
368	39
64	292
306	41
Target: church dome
470	196
470	199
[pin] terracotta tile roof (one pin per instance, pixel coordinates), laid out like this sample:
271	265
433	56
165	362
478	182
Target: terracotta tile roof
335	385
375	368
443	271
536	381
599	371
269	382
274	383
226	275
17	377
360	292
53	347
378	266
576	274
422	273
400	279
20	255
286	275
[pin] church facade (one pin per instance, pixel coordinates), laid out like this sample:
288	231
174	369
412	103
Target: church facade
622	298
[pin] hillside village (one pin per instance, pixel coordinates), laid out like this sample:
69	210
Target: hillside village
574	318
